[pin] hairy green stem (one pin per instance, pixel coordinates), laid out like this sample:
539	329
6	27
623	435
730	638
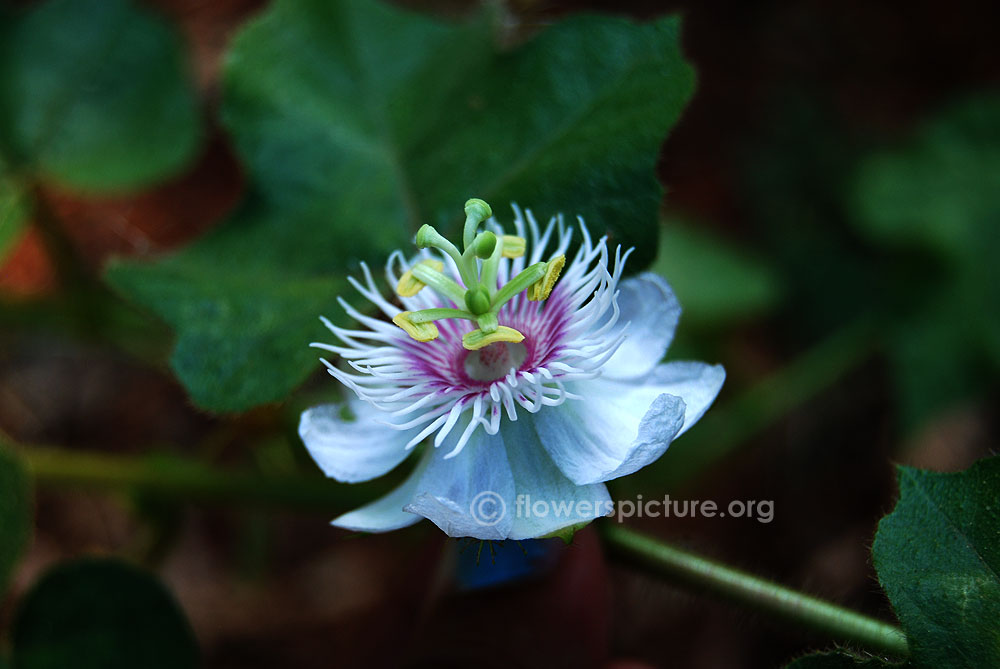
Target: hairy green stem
701	573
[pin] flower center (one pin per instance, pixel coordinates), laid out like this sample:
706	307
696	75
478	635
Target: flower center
494	361
479	293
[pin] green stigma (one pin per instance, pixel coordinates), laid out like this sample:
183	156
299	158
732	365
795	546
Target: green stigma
478	263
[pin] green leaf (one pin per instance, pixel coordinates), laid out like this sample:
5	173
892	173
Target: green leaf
933	365
95	94
99	613
13	213
938	557
358	122
841	660
940	188
246	314
15	513
715	282
940	194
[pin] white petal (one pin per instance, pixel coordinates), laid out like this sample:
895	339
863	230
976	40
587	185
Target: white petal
352	450
619	427
650	311
469	495
386	513
696	383
546	501
613	431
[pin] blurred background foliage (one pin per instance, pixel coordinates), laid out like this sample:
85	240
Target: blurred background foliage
184	187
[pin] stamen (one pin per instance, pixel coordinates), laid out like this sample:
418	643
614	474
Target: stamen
428	315
419	331
440	283
526	278
479	294
409	285
420	324
477	339
488	322
513	246
540	291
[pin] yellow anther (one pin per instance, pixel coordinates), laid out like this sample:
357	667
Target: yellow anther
477	339
513	246
410	285
419	331
541	289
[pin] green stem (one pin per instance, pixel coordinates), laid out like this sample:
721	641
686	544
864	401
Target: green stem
439	282
528	276
430	315
185	480
701	573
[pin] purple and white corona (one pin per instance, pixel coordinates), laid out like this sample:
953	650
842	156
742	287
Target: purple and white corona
521	372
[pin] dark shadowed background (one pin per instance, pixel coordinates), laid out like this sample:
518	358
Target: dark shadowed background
814	187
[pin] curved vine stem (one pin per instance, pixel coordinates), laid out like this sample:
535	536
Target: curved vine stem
701	573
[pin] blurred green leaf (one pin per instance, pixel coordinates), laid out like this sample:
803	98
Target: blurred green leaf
13	213
938	557
358	122
941	194
15	513
244	316
940	188
796	179
715	282
99	613
94	94
933	364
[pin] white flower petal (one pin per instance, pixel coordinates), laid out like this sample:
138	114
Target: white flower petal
352	450
696	383
618	427
650	311
469	495
613	431
386	513
546	501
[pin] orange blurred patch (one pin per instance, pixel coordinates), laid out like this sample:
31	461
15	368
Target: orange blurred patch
207	27
156	220
27	271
